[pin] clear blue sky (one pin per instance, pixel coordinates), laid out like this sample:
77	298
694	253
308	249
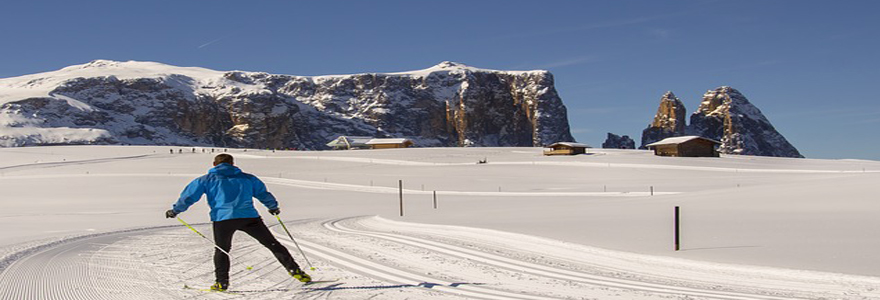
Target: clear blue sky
810	66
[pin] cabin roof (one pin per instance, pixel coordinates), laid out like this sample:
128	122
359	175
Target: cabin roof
570	144
679	140
388	141
353	140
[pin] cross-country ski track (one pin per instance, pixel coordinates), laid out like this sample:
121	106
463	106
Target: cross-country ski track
376	258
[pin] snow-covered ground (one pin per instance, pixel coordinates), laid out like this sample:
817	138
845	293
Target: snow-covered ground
86	222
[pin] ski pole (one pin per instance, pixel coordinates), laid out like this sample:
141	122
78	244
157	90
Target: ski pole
203	236
295	243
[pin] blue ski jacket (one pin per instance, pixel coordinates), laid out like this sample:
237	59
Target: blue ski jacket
230	193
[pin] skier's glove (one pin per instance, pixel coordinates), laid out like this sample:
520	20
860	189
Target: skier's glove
275	211
170	213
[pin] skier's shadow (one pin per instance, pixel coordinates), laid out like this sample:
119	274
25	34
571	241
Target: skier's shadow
339	286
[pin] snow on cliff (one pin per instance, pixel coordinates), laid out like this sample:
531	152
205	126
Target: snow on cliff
152	103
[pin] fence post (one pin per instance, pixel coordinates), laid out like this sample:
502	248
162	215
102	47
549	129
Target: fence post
435	199
677	232
400	184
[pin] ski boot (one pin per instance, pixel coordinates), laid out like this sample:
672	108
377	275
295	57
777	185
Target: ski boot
301	276
220	286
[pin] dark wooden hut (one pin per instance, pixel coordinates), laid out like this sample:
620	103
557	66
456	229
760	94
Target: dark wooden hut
389	143
685	146
566	148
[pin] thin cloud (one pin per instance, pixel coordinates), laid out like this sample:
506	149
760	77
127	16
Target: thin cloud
591	86
660	33
871	116
748	66
866	114
568	62
217	40
594	26
699	7
209	43
868	121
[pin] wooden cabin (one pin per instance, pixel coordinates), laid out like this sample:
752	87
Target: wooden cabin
390	143
350	142
566	148
685	146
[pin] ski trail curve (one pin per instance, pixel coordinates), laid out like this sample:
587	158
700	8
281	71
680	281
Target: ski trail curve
436	256
69	270
406	278
396	264
546	271
159	262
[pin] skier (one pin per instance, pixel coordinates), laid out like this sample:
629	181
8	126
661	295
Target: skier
230	194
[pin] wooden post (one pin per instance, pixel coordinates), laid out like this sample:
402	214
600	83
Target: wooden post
677	232
435	199
652	190
400	184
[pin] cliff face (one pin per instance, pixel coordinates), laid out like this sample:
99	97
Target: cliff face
668	122
149	103
727	116
614	141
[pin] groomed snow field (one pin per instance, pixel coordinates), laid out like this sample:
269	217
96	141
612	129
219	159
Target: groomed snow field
87	222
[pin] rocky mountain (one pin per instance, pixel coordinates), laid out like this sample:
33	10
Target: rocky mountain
670	120
618	142
110	102
726	115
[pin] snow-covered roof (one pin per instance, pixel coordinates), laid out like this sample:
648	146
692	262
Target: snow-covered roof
389	141
358	139
352	140
679	140
570	144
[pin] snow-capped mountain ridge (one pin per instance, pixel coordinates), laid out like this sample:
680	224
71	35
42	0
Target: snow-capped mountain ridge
449	104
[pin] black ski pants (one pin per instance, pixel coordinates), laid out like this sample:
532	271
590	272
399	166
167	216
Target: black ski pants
223	231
